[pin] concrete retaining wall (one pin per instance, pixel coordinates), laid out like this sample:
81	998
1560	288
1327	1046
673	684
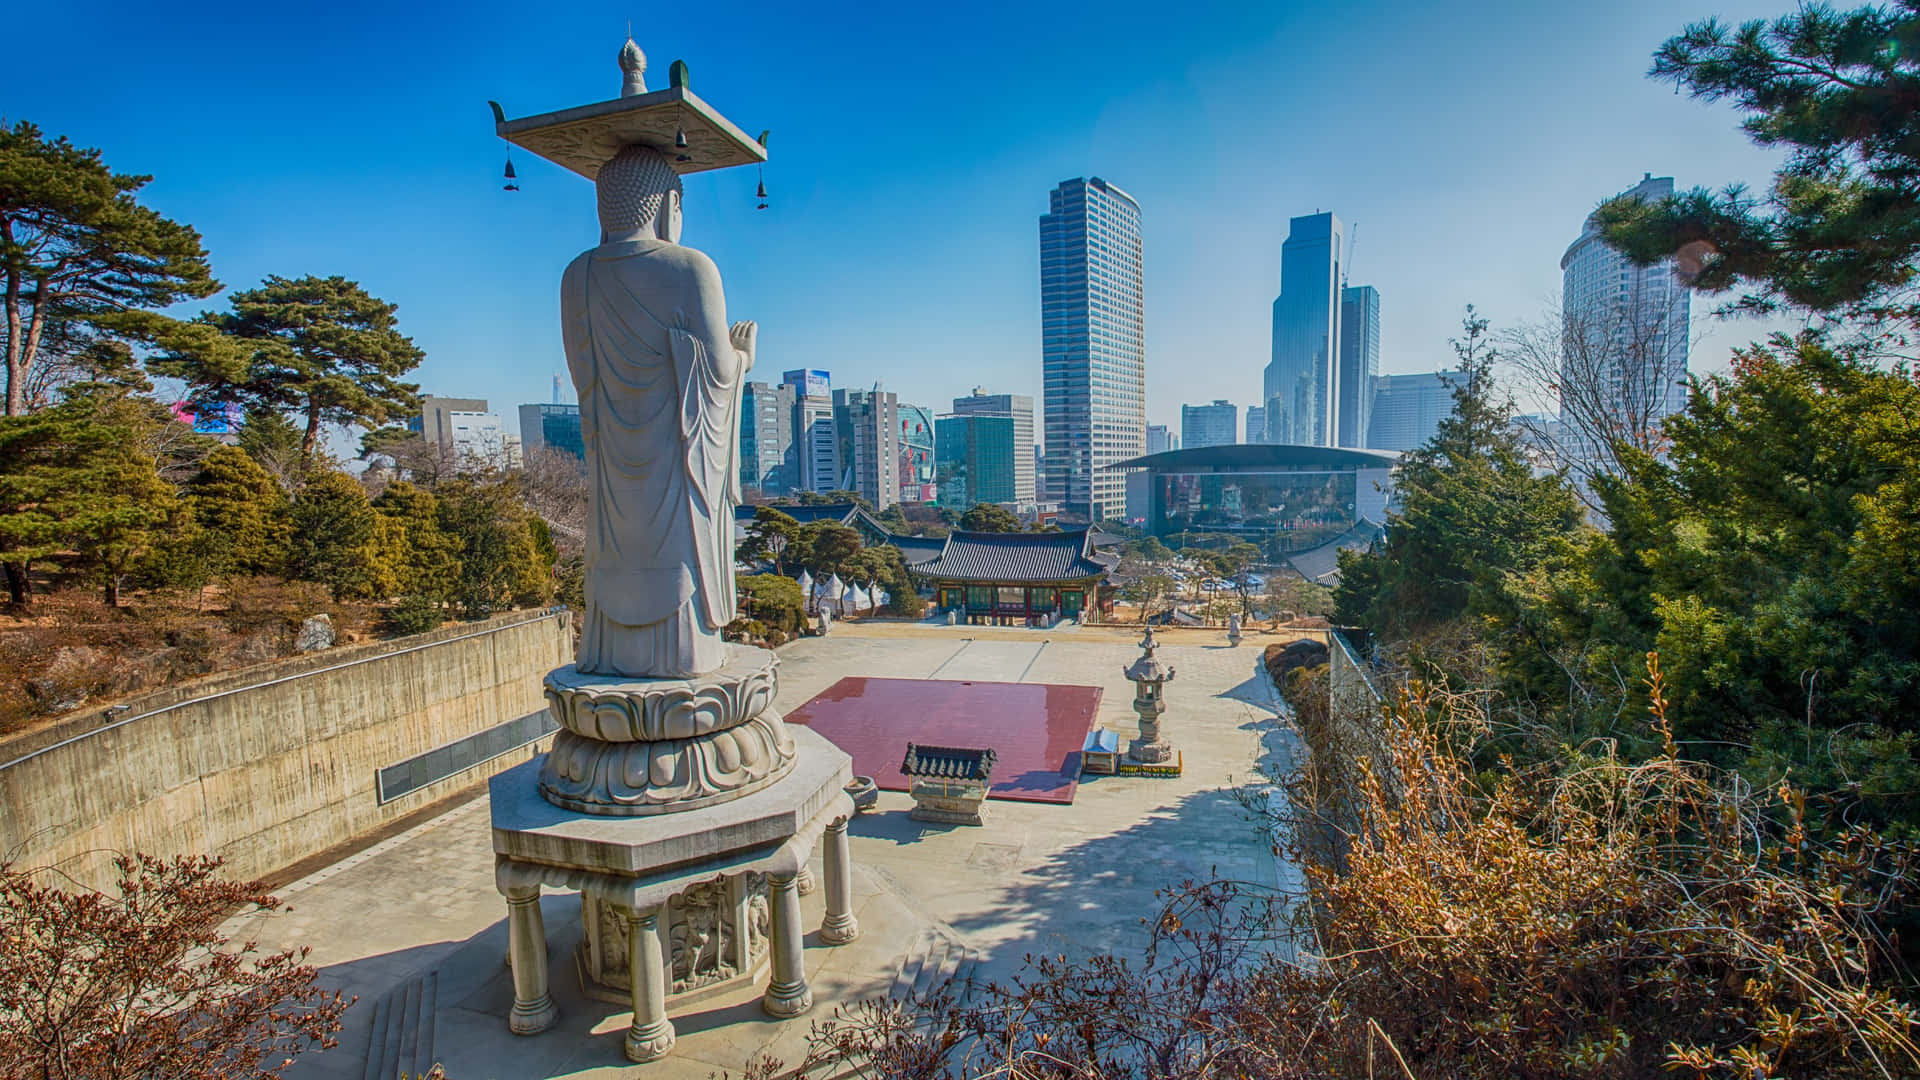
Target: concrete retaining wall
268	766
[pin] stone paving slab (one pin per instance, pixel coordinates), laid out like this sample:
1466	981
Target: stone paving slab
1036	878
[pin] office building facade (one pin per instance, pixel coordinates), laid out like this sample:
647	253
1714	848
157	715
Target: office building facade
1359	363
1019	409
867	426
552	427
916	454
1093	344
1407	410
1300	387
766	437
813	461
1160	438
976	459
1256	424
1217	424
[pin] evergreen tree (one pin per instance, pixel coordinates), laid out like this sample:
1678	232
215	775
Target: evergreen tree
1471	512
77	252
503	562
986	517
427	558
1839	227
242	512
768	536
322	348
271	440
334	534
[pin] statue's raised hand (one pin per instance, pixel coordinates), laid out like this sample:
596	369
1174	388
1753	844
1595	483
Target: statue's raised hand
745	336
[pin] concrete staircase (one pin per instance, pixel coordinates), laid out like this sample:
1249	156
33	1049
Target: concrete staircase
937	959
402	1038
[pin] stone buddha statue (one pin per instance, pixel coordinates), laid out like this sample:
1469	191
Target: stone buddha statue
659	373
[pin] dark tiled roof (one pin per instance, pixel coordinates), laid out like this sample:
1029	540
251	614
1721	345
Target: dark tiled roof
1016	557
948	762
1322	563
915	550
841	512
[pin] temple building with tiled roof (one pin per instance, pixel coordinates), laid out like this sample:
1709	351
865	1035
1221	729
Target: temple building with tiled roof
1015	579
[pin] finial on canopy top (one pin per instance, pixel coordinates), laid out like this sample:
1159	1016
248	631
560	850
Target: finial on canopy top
633	70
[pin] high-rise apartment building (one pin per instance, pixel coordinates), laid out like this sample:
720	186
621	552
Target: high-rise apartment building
1160	439
1019	409
1301	386
1359	362
867	426
554	427
1093	344
1625	333
766	437
1217	424
1407	410
916	454
1256	423
813	463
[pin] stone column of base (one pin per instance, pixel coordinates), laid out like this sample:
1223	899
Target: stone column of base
741	901
840	926
533	1010
651	1035
787	993
808	883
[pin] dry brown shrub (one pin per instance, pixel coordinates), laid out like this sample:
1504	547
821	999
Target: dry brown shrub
1598	918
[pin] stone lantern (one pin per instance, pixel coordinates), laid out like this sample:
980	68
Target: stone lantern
1148	675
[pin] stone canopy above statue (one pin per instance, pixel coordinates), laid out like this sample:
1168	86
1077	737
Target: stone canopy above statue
692	134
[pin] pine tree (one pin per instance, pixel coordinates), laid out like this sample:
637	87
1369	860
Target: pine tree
428	560
1471	511
334	534
242	510
78	252
322	348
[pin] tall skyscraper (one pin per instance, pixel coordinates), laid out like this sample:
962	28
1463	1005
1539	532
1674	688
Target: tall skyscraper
1093	344
867	425
1217	424
1359	361
1018	408
1626	333
1407	410
1160	439
1301	387
814	463
766	437
1256	423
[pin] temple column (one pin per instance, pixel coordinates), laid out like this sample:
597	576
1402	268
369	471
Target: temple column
840	926
533	1010
787	992
651	1035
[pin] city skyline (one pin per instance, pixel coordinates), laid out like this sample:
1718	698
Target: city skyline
410	204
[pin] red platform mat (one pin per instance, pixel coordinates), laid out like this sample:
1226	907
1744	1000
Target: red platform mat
1036	729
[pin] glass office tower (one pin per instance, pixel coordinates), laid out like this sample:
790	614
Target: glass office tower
1302	383
1359	361
1093	345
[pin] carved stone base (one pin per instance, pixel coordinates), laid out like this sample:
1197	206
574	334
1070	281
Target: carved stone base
532	1019
786	1001
700	935
807	883
839	929
651	1043
1151	753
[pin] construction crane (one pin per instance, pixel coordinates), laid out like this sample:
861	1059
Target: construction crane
1353	245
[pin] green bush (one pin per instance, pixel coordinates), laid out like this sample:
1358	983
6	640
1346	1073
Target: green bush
414	614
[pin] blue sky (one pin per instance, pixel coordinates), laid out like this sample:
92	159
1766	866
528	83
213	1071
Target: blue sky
912	150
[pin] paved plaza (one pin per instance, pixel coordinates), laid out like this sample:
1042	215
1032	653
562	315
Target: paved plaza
415	928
